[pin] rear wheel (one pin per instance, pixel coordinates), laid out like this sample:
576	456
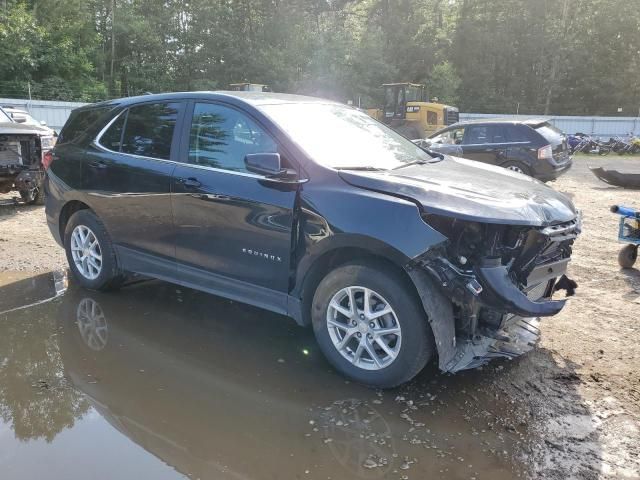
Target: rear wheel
90	253
517	167
628	255
370	326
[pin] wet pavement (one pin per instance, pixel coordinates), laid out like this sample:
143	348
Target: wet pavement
161	382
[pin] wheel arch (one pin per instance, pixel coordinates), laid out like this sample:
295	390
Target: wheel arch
332	258
67	211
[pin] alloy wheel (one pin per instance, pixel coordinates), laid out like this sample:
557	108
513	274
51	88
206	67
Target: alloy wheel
86	252
515	168
364	328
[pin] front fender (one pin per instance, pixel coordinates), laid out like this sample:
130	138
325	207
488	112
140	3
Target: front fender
362	214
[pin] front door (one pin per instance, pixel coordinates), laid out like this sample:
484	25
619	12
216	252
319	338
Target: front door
127	176
233	227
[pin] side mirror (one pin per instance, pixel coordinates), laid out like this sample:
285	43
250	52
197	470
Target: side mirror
43	123
19	118
263	163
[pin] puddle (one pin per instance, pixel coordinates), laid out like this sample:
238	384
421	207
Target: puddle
19	290
161	382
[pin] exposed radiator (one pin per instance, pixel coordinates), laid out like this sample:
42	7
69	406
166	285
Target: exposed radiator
10	153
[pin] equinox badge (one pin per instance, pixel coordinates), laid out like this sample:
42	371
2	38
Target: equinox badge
273	258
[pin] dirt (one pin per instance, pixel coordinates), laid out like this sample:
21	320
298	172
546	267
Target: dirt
25	241
582	383
568	409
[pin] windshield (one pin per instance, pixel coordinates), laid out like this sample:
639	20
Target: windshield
414	94
4	117
338	136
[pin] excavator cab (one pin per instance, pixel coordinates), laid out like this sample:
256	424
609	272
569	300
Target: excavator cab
407	110
396	97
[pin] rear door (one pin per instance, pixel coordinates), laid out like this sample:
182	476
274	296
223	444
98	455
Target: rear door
485	143
127	175
233	227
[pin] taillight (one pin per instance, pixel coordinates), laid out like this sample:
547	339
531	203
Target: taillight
545	153
47	158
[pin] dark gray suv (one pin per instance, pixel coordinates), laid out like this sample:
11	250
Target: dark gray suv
533	147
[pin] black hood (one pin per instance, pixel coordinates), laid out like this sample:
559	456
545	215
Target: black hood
472	191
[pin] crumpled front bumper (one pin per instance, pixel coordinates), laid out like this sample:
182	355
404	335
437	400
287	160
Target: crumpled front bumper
517	336
520	309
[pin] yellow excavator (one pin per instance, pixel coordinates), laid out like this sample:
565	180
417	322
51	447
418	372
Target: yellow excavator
407	111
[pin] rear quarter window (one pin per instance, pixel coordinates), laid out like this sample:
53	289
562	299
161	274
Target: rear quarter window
79	122
551	134
148	130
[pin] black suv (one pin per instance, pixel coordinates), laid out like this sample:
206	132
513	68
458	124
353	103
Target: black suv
314	210
533	147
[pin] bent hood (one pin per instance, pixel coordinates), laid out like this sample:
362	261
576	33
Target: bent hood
459	188
10	128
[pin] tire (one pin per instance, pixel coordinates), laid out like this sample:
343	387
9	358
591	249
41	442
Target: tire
413	348
517	167
108	276
33	198
627	256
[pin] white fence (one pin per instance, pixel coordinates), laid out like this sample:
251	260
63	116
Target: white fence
56	113
604	127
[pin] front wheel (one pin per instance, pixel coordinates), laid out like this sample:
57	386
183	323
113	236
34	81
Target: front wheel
90	253
371	326
35	196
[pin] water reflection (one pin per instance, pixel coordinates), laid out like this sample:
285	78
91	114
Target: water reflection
215	389
35	399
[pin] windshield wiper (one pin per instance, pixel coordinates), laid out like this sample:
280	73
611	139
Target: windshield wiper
361	167
438	157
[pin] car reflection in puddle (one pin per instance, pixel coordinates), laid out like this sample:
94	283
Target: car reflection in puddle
213	389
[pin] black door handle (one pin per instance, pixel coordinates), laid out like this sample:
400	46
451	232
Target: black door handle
190	182
98	164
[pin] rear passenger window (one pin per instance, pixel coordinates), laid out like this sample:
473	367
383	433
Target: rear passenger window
113	136
148	130
221	137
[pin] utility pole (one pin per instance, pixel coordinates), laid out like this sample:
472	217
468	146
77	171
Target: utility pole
112	83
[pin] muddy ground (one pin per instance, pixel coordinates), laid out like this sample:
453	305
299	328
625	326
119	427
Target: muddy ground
569	409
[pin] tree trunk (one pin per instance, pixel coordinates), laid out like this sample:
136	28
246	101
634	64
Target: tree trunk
556	58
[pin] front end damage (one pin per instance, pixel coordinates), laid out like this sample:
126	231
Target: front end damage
498	280
21	160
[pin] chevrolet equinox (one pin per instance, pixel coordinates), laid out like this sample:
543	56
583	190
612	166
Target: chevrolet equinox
393	254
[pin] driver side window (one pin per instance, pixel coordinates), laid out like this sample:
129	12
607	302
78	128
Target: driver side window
221	137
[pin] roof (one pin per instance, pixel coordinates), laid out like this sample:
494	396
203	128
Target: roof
253	98
526	121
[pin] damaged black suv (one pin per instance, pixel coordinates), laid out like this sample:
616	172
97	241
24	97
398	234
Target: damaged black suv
314	210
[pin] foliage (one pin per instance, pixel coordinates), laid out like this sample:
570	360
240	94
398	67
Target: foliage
543	56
